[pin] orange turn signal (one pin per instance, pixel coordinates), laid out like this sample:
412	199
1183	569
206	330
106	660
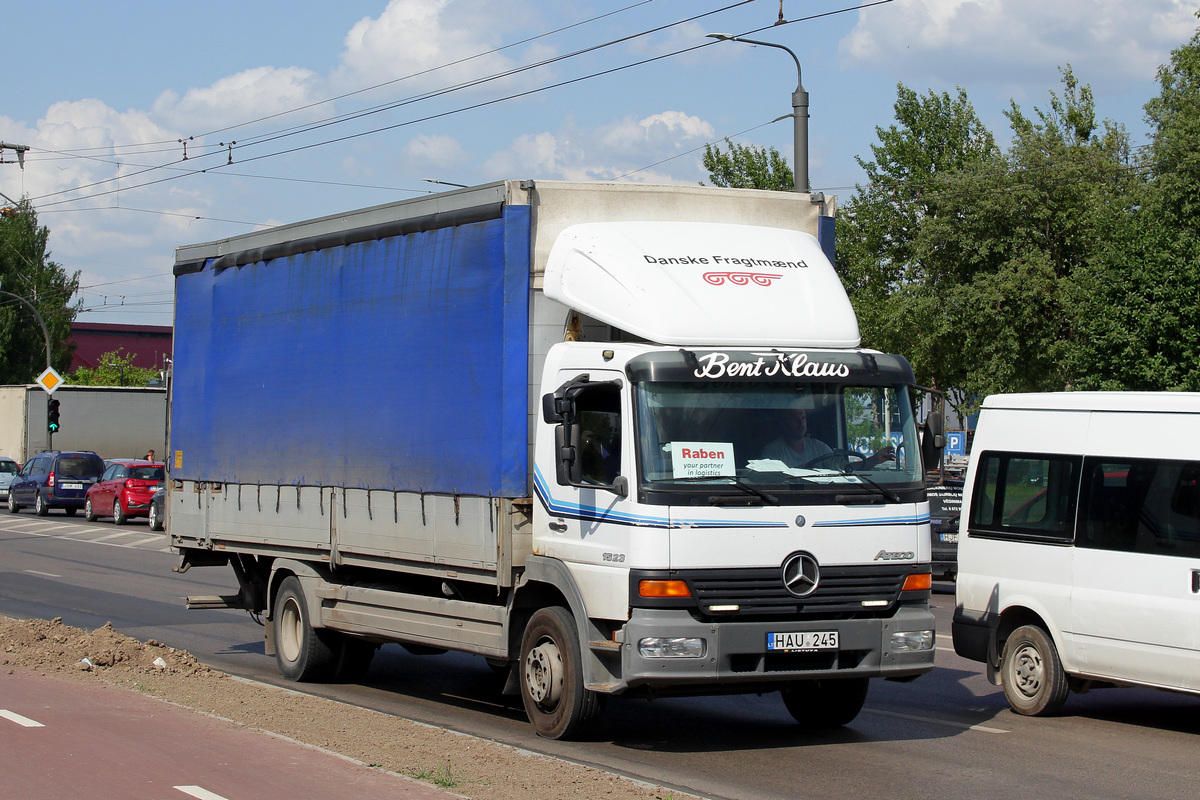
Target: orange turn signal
664	589
918	582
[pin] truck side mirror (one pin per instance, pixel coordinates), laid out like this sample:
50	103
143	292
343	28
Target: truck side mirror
933	440
568	466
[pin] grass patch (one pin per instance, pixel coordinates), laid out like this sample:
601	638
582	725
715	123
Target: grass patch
443	776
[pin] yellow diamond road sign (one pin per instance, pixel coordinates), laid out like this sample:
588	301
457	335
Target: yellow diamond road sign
49	380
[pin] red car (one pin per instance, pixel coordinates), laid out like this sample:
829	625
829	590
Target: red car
124	491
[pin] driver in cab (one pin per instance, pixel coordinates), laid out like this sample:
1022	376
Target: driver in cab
796	448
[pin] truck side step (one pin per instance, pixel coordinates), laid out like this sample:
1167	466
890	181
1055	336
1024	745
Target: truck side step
216	601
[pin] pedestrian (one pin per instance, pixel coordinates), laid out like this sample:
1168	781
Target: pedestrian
149	455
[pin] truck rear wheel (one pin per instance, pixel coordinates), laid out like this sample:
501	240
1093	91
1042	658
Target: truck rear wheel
1032	673
552	687
823	704
303	653
354	658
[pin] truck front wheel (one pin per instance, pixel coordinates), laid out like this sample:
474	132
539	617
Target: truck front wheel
823	704
303	653
552	687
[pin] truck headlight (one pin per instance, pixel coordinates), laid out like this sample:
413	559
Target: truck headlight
912	641
671	647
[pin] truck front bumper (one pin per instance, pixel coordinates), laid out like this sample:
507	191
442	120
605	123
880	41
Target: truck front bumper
735	654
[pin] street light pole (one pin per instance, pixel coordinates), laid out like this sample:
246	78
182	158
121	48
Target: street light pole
799	113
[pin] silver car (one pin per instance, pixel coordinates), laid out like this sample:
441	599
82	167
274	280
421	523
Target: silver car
8	471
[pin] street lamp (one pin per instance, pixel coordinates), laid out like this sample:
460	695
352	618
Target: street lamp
799	113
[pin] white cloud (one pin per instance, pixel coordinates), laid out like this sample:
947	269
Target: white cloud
247	95
411	37
628	145
1004	40
436	151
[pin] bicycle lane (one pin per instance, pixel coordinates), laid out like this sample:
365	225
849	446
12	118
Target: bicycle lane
62	738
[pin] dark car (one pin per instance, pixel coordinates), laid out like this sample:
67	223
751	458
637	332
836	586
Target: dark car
158	508
55	479
124	491
945	505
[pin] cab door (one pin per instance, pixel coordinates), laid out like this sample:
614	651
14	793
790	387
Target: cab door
591	515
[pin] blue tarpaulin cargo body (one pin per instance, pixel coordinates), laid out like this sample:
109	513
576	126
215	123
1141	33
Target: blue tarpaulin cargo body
398	362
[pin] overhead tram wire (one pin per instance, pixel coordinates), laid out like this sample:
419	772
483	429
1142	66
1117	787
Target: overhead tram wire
461	109
356	115
174	143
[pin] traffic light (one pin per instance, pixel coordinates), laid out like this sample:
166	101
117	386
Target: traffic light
52	417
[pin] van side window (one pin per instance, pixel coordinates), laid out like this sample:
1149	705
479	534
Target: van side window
1141	506
1025	496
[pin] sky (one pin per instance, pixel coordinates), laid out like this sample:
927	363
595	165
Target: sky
288	110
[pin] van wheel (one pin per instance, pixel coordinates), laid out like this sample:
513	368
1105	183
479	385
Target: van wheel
39	506
302	652
822	704
1032	673
552	687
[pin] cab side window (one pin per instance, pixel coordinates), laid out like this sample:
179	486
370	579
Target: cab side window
599	410
1025	496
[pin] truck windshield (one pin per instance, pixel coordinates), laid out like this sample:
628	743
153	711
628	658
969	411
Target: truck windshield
833	438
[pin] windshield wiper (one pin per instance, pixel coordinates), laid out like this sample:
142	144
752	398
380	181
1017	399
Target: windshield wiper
872	485
769	499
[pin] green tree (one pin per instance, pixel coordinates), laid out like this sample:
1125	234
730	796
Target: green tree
114	368
26	270
1012	238
748	167
903	297
1138	299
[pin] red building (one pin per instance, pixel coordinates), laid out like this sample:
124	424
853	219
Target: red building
149	344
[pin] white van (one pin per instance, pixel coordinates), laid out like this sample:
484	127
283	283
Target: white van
1079	545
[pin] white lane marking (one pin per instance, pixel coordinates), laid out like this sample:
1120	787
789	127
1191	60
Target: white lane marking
17	718
935	721
43	574
156	539
199	792
116	535
42	526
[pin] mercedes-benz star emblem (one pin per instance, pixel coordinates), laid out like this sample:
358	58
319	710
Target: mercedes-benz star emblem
801	574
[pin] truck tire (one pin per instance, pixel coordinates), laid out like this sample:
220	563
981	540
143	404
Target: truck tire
1032	673
302	652
551	675
826	703
39	506
354	659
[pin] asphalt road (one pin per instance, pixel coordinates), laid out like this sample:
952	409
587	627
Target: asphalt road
947	735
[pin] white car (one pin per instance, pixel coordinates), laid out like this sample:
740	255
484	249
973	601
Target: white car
8	471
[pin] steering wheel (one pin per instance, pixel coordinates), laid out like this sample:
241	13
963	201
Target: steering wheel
837	453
